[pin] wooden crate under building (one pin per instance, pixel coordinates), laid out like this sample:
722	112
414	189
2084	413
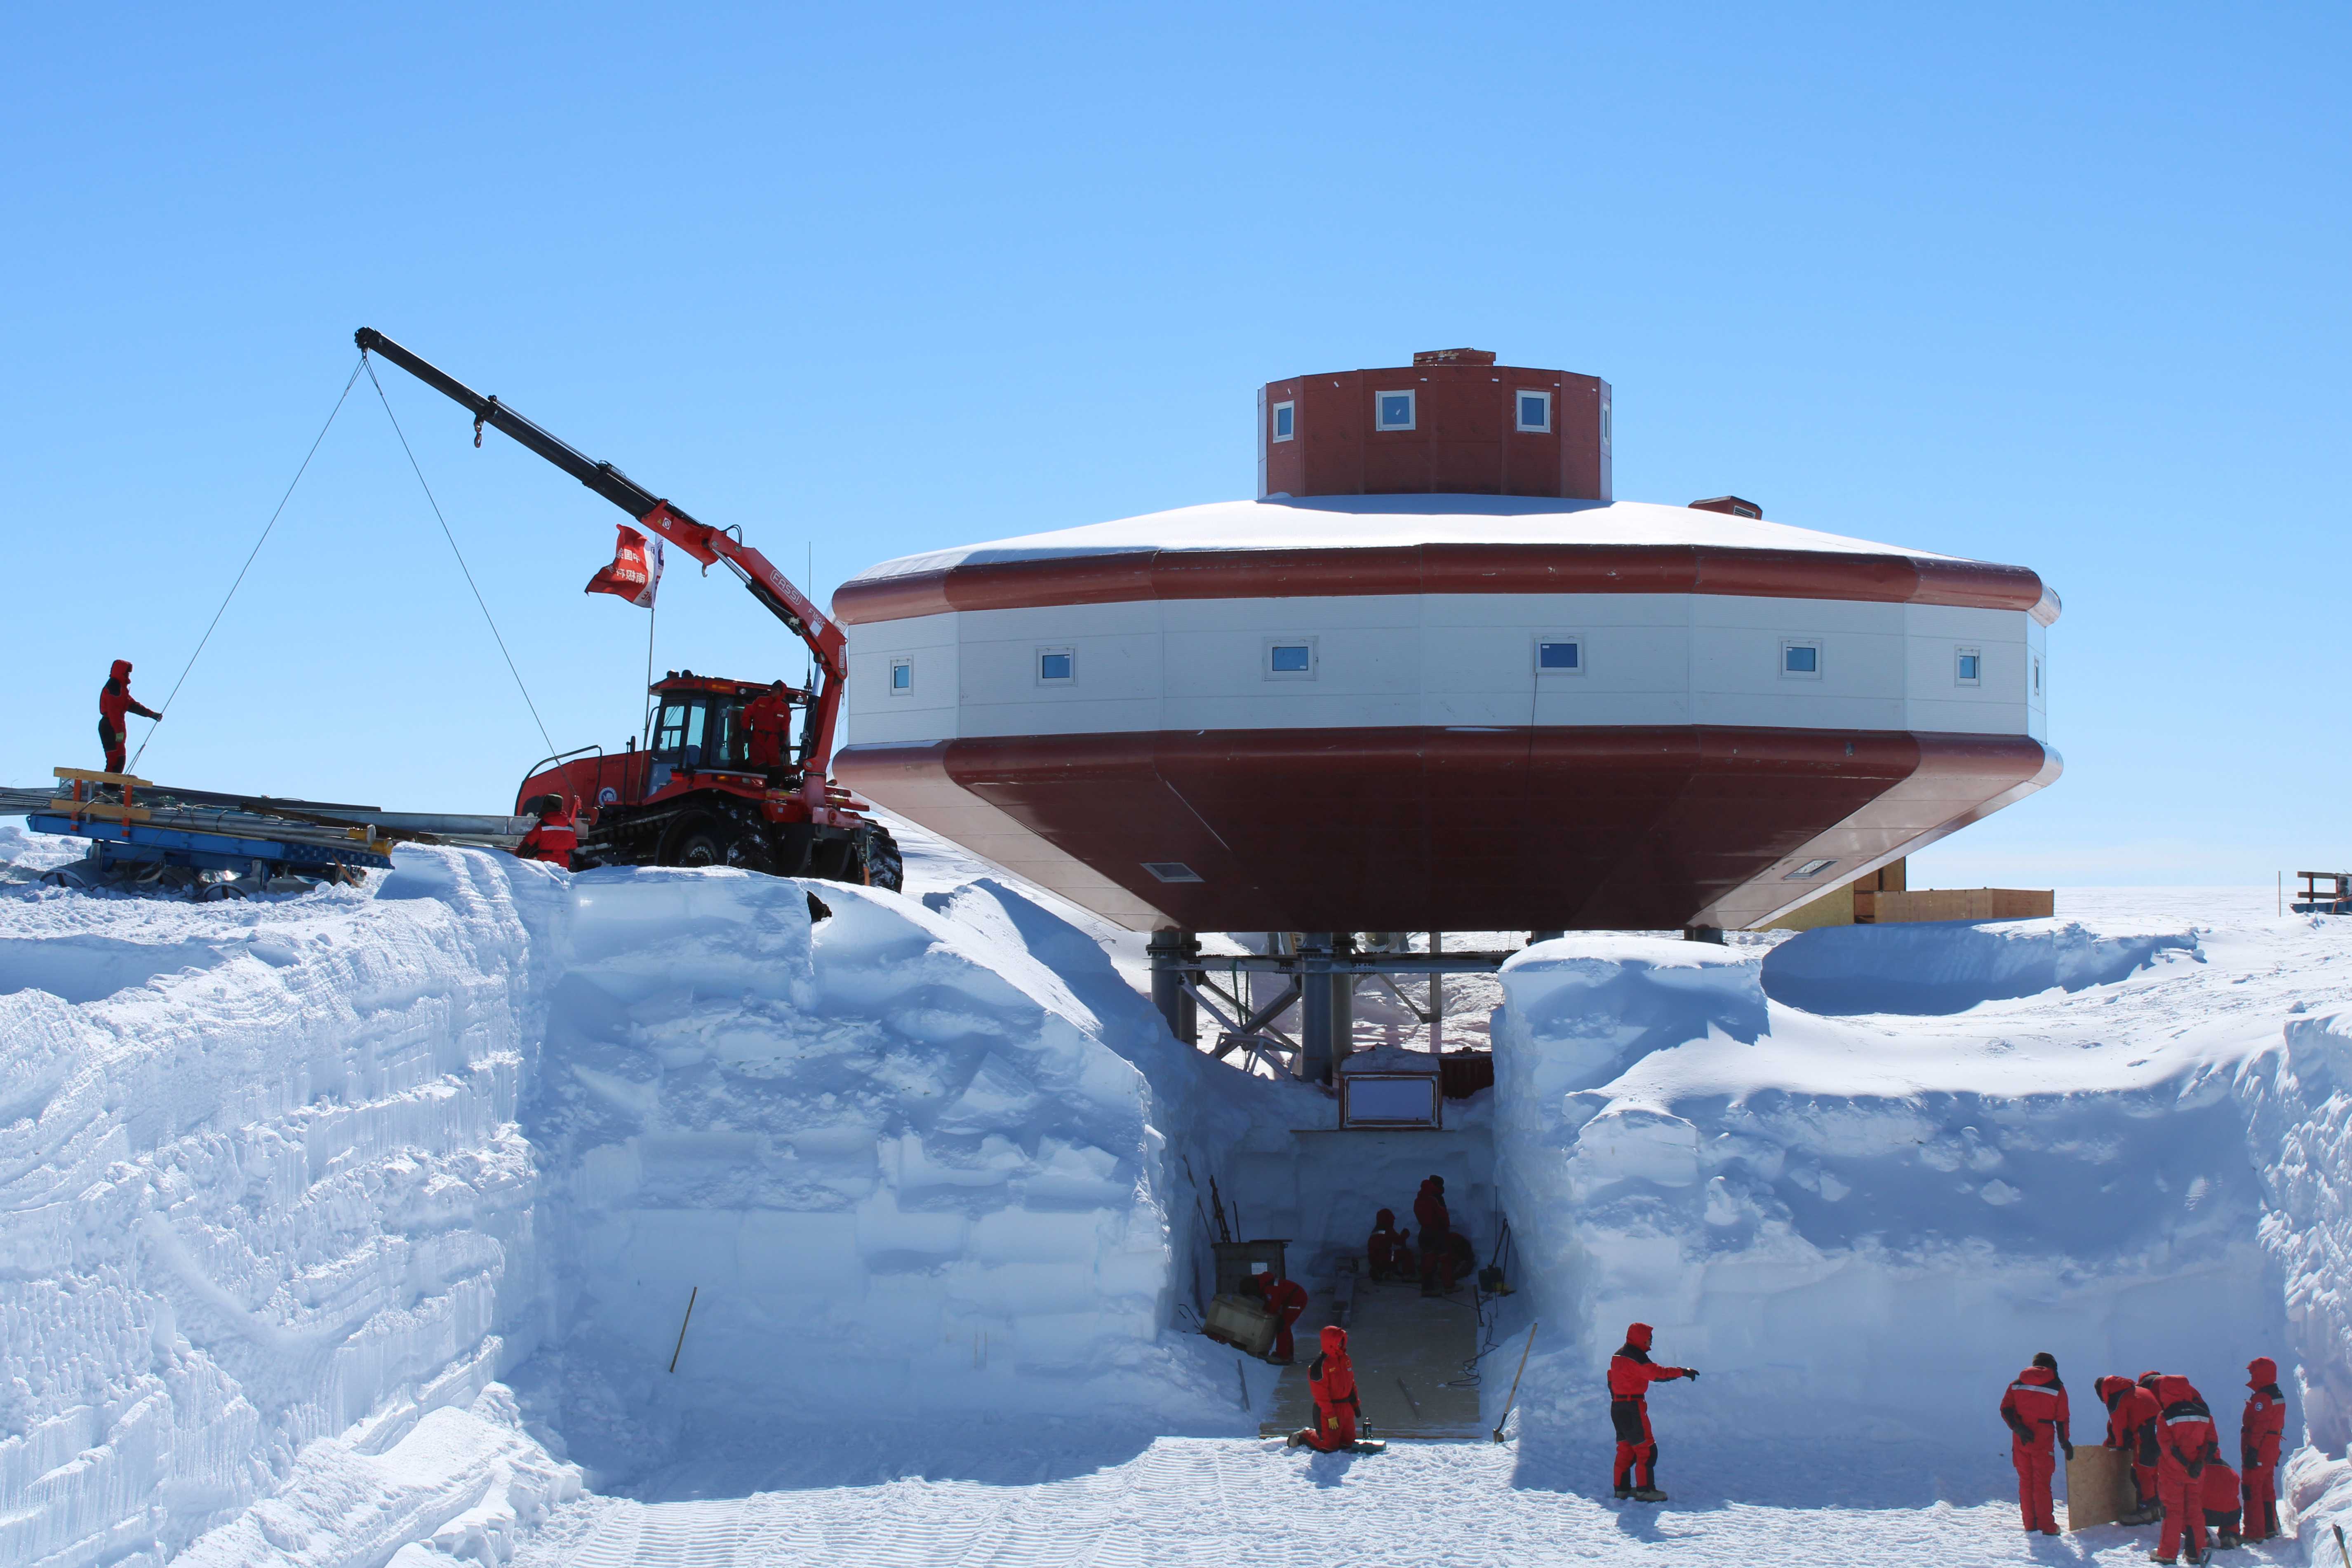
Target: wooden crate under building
1884	897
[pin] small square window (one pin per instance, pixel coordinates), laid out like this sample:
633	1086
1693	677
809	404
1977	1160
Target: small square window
1056	666
1561	656
1283	417
1802	661
1968	666
1394	410
1171	871
1290	658
1534	412
1809	870
902	676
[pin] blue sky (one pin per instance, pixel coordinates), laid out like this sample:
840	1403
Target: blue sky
2063	286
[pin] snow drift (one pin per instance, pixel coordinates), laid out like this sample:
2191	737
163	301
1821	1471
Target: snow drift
1949	966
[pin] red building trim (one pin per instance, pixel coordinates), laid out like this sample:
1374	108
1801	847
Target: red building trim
1344	571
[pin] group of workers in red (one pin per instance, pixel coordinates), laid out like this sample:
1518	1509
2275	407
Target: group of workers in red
2176	1469
1445	1254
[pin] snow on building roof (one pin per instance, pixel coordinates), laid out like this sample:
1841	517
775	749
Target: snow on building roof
1391	520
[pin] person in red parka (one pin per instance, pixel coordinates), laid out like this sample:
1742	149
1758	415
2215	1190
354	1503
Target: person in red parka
766	724
2185	1445
1631	1373
114	702
1285	1299
2218	1491
1389	1251
1331	1377
1428	1212
2259	1432
2131	1429
2035	1411
553	836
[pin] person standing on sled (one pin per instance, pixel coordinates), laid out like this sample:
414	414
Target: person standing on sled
114	703
1332	1377
2260	1431
1631	1373
2035	1410
2185	1445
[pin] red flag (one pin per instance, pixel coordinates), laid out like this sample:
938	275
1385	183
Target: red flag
635	571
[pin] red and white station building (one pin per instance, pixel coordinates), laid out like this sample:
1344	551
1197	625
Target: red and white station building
1436	678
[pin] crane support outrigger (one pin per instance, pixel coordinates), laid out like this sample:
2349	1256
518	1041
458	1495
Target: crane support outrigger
692	797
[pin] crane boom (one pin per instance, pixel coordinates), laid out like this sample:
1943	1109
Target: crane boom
827	643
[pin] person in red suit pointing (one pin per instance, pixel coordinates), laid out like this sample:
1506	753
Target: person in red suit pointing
1631	1373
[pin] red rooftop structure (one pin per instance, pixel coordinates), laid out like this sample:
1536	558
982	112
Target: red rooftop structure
1452	422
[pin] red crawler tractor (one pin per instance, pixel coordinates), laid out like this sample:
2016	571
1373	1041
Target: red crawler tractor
699	792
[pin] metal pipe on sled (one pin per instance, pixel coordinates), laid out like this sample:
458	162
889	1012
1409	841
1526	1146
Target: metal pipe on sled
211	845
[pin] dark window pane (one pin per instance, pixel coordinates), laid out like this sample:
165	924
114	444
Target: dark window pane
1558	655
902	675
1054	666
1803	660
1290	658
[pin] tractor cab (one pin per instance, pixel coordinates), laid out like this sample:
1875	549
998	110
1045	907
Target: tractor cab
699	728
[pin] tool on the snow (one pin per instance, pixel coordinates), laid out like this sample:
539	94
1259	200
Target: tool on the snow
716	784
2340	1551
690	1294
1409	1399
1514	1399
1217	1203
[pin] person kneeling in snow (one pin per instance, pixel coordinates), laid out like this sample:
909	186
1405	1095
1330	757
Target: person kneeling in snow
1390	1250
2035	1409
1285	1299
1631	1373
2259	1432
2185	1445
1332	1377
2219	1492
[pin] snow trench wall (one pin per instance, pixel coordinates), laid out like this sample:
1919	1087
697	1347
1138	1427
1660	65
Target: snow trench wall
1836	1238
258	1184
894	1163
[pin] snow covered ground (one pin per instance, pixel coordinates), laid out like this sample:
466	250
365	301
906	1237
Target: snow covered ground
357	1227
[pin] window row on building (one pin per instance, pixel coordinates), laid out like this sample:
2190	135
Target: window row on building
1299	658
1401	411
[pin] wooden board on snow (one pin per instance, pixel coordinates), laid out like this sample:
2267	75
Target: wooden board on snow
2099	1487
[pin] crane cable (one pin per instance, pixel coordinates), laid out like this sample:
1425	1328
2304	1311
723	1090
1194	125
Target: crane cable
460	554
133	766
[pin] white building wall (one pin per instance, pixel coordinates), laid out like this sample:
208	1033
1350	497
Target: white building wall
1447	659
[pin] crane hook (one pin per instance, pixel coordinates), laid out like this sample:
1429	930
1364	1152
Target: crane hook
478	421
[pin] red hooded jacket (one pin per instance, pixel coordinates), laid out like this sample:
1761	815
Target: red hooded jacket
1631	1370
114	698
1331	1375
2262	1428
2185	1443
2035	1408
2131	1413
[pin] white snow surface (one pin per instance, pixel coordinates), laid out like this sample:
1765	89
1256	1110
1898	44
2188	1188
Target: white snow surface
357	1227
1362	521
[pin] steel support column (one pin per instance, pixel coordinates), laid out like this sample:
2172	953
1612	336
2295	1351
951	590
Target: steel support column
1173	953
